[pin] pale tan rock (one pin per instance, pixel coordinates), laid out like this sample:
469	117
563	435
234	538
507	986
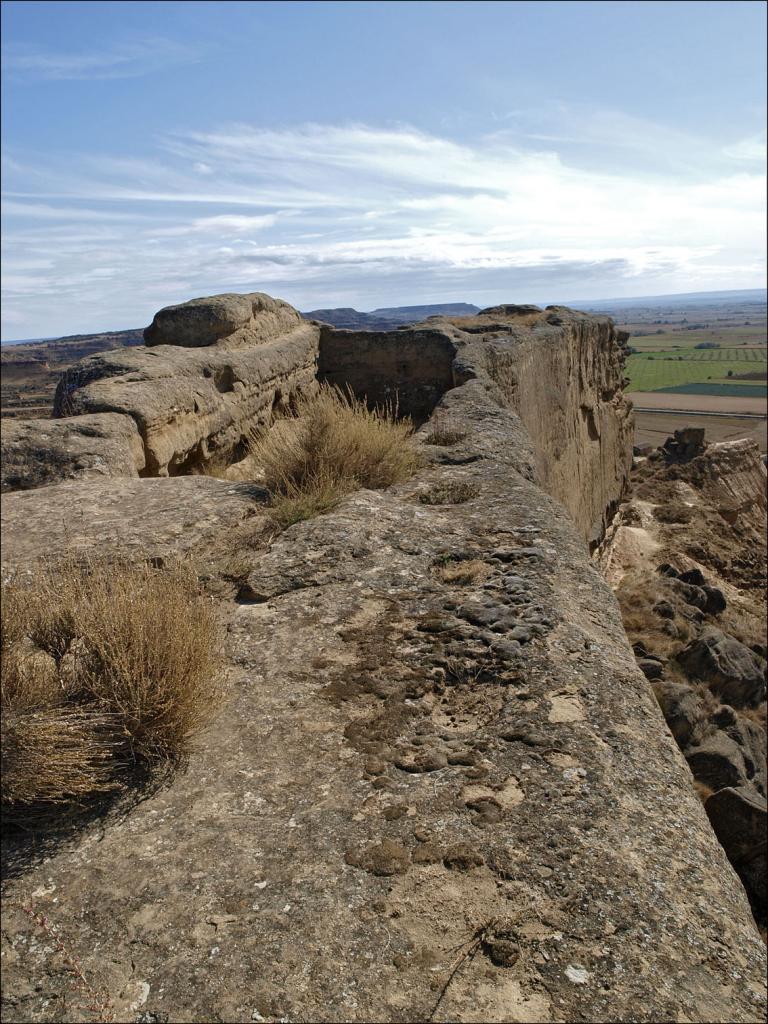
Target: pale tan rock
193	405
37	452
227	321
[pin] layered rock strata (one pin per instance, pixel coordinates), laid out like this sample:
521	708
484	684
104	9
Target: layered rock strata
442	789
559	370
213	370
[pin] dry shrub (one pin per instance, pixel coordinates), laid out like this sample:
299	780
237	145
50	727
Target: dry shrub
673	513
467	571
758	715
333	445
444	432
105	668
445	437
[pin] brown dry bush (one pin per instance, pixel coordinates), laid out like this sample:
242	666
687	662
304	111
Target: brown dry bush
471	570
106	668
333	445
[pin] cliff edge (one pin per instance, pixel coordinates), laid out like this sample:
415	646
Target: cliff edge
442	788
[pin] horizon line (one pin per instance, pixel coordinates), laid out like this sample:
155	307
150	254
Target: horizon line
625	298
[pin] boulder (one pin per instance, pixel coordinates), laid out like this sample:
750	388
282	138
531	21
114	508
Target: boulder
229	321
683	710
650	668
717	762
739	818
691	594
38	452
695	577
716	601
751	738
728	667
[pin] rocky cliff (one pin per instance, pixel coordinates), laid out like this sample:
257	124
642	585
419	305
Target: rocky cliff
215	370
442	788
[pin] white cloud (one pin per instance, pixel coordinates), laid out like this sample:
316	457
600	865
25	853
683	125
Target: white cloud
128	60
373	216
752	149
224	223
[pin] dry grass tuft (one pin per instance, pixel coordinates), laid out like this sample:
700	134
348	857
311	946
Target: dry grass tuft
333	445
444	432
449	494
471	570
444	437
105	668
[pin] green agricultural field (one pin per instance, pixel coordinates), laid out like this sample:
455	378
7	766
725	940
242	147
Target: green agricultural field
650	371
728	337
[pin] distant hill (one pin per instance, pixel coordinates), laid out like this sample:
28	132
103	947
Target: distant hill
387	317
55	351
31	369
742	295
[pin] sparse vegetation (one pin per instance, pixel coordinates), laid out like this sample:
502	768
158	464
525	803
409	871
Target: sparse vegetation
106	668
449	493
332	445
471	570
444	432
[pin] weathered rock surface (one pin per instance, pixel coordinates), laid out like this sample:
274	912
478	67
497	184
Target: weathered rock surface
227	321
559	370
146	518
730	668
739	817
37	452
393	778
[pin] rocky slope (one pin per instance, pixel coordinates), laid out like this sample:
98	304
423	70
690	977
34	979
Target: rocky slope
442	789
687	555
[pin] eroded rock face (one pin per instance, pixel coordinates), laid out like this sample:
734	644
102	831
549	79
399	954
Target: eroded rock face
215	369
193	405
408	761
561	371
688	556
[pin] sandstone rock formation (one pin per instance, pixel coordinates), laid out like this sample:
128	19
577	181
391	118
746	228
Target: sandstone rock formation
559	370
413	765
215	369
228	321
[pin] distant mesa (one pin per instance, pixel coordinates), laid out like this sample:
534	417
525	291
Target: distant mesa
388	317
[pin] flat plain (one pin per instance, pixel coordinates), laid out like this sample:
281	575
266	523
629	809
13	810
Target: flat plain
673	383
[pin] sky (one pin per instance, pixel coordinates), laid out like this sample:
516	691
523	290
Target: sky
375	154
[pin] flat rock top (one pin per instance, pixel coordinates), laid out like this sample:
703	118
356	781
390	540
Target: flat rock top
155	517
